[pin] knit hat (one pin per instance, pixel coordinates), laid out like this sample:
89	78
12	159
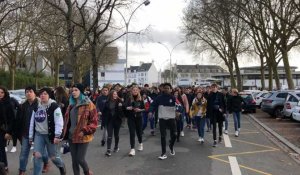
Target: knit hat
47	90
80	87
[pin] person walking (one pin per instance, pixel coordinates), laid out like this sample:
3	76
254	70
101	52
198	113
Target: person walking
100	103
80	124
6	123
235	107
199	113
147	102
113	112
134	107
215	108
45	130
165	104
23	123
226	112
179	114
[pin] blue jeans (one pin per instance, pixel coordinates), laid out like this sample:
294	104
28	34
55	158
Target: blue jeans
145	121
226	120
24	154
200	123
41	141
237	120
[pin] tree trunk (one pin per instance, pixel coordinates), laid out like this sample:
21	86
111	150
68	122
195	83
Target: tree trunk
94	66
56	73
262	70
232	80
289	76
12	76
270	77
276	76
238	74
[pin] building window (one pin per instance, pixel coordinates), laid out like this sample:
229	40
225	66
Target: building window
102	74
142	74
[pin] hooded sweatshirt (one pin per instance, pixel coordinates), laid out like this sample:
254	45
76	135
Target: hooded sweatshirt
41	117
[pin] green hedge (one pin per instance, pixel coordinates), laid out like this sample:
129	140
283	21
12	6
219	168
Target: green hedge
23	79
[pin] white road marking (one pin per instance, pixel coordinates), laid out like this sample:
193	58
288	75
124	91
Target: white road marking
235	169
227	141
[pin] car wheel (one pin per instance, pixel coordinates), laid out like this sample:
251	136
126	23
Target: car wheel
278	112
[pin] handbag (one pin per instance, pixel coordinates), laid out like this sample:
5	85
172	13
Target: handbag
65	148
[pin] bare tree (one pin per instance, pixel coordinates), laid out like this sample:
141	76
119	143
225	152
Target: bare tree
211	26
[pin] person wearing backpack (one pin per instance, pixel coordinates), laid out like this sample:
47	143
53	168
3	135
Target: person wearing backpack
147	102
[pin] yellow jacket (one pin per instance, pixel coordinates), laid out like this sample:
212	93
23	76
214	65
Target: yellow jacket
196	107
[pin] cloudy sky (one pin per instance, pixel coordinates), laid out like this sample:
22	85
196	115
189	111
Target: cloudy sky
163	20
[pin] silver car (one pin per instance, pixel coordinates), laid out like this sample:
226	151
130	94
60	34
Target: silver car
274	103
292	100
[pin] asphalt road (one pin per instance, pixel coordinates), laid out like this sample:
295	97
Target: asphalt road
251	153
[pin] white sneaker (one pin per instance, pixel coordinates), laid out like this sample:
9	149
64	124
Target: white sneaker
239	129
132	152
5	149
236	133
200	139
140	148
226	132
182	133
162	157
13	149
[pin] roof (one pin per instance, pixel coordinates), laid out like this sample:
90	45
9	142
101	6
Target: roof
184	68
144	67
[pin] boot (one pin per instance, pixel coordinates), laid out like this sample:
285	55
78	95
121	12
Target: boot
46	168
63	170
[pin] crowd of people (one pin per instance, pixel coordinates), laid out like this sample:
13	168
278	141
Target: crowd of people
52	116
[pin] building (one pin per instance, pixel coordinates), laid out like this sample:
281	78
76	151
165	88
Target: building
251	77
198	75
111	73
145	73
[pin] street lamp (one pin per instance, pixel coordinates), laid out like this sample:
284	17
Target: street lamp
146	2
170	54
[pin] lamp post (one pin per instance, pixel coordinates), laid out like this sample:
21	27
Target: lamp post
170	54
146	2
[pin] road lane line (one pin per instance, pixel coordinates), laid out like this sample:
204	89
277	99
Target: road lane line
235	169
227	141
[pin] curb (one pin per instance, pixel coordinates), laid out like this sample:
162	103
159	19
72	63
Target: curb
276	135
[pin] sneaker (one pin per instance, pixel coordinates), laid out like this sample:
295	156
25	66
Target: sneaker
13	149
21	172
5	149
140	148
172	151
132	152
208	130
152	133
202	141
46	168
239	129
220	139
226	131
108	153
236	133
199	140
215	144
182	134
162	157
116	149
102	142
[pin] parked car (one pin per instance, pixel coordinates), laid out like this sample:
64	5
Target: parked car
249	104
296	112
19	95
292	100
259	97
274	103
